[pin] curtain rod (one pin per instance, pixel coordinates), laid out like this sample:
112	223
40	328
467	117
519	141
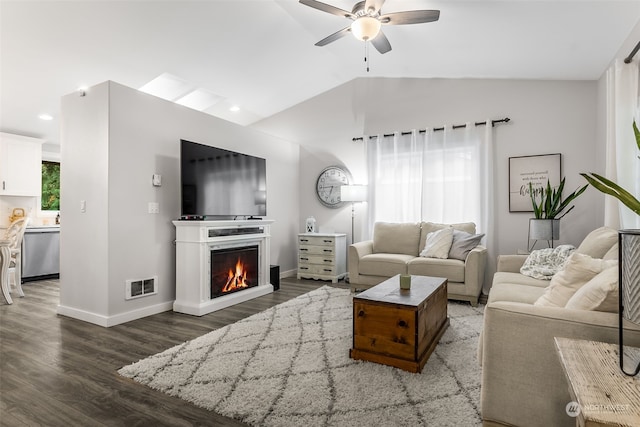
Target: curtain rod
633	52
493	122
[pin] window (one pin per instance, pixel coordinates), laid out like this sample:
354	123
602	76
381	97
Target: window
50	186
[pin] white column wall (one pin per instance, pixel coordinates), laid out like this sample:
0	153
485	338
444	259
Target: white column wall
84	236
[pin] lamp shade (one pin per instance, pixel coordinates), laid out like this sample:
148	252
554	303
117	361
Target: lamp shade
365	28
353	193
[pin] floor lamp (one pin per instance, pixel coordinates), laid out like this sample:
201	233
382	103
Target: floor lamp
354	194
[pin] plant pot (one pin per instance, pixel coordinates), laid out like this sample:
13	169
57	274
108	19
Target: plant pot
544	229
629	288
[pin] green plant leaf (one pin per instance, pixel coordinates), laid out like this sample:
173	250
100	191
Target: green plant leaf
607	186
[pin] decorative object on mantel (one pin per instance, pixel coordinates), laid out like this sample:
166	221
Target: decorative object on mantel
354	194
310	225
548	213
628	253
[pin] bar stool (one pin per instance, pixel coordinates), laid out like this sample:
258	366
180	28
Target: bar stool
5	258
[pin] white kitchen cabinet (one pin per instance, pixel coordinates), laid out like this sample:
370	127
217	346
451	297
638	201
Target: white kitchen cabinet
20	165
322	256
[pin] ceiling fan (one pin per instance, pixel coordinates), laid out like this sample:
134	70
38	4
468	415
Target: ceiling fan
367	21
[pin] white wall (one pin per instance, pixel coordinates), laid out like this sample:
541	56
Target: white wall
110	163
547	117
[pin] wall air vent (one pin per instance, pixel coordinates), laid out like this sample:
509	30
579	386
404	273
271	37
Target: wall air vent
136	288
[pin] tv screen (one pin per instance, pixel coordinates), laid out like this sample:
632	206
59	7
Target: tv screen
221	183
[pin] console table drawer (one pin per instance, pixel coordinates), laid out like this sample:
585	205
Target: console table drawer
316	250
313	269
317	259
317	240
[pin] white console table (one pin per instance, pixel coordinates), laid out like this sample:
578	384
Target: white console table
194	242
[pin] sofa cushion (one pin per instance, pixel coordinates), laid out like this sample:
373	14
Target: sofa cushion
438	244
580	268
384	264
452	269
510	278
396	238
514	293
599	293
430	227
463	243
598	242
612	254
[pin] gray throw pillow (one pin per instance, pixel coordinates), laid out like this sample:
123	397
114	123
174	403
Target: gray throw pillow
462	244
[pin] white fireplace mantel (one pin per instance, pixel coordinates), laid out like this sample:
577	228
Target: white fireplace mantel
194	242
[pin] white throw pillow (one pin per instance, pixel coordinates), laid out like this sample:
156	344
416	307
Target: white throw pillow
438	244
598	294
579	269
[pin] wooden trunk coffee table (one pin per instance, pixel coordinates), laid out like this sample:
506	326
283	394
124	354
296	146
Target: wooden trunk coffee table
399	327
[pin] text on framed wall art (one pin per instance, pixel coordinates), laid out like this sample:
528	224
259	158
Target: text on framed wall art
536	170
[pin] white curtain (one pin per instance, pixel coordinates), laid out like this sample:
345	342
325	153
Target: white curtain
622	164
438	176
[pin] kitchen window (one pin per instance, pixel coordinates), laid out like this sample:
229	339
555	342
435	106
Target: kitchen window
50	186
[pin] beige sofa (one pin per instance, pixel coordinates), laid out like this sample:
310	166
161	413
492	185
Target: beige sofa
395	249
523	383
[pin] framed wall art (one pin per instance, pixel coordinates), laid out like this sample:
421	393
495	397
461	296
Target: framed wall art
535	170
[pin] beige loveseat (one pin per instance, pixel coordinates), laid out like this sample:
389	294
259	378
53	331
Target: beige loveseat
395	249
523	383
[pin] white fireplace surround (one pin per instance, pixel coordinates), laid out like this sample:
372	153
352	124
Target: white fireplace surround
194	242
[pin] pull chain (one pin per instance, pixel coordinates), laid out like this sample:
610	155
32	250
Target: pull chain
366	54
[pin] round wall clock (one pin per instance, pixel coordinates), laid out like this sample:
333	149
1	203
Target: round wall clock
328	185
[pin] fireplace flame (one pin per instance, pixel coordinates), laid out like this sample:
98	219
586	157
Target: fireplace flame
237	279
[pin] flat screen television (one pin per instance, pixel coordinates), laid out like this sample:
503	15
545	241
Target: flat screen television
219	183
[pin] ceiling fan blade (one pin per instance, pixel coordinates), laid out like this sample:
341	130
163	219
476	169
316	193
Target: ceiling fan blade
373	5
410	17
328	8
333	37
381	43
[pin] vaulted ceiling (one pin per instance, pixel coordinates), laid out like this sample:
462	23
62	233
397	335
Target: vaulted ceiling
260	54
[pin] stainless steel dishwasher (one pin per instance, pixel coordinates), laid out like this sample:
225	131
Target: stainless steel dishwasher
40	253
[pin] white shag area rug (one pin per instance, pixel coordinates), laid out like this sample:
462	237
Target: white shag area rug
290	366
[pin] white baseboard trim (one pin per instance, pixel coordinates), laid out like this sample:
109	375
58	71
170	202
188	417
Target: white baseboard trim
107	321
289	273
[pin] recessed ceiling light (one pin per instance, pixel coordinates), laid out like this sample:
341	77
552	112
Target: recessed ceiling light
234	108
45	117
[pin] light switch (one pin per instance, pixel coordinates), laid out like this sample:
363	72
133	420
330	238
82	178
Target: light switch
156	180
83	206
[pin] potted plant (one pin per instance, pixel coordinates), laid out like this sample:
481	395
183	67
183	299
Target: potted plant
548	211
629	253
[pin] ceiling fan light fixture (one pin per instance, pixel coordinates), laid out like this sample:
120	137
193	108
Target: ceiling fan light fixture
365	28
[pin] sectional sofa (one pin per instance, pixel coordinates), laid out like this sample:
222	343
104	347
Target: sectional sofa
523	383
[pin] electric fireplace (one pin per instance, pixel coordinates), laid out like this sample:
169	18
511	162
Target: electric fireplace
233	269
221	263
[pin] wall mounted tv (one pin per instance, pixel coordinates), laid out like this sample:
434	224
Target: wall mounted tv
221	183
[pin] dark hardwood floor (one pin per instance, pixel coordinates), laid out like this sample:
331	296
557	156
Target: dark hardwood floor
58	371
